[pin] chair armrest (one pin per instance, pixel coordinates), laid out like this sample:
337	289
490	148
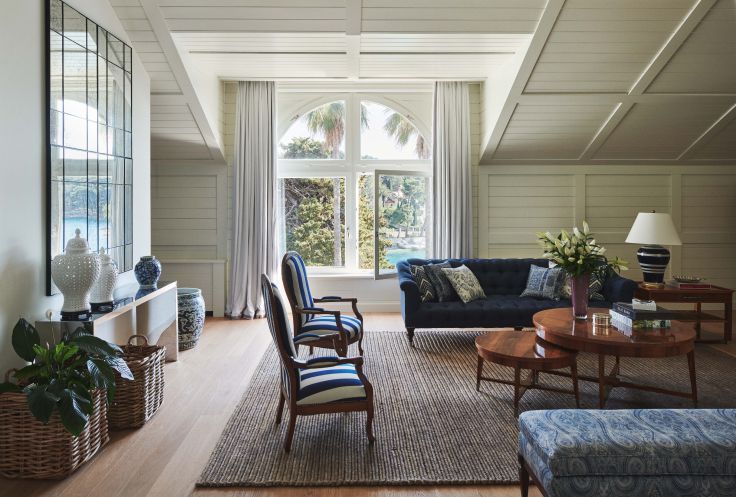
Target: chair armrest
324	362
619	289
333	298
316	310
353	301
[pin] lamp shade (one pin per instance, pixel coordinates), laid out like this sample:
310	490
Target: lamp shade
653	228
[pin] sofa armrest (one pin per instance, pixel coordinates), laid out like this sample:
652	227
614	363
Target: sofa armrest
619	289
410	298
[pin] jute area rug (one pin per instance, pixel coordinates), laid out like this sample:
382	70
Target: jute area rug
432	427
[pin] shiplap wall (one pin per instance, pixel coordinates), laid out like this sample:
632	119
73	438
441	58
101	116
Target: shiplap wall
189	226
517	201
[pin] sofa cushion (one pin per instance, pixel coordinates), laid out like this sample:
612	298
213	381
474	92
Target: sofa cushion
544	282
465	283
636	442
426	290
494	310
442	286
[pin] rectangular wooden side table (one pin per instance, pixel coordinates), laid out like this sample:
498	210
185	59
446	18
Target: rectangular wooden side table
713	295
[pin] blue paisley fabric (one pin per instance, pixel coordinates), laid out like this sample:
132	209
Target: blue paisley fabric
640	452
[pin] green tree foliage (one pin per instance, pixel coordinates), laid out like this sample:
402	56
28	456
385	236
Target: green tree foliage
402	130
365	228
309	218
303	147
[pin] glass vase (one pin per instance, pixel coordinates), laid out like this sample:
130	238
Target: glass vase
579	295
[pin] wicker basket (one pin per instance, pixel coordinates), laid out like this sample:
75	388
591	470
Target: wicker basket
31	449
137	400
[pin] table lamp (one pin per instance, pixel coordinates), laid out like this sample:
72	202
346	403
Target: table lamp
652	230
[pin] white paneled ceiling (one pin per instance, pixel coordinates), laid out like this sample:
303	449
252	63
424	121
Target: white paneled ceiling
589	81
627	81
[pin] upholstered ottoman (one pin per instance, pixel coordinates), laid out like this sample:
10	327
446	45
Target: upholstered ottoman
631	453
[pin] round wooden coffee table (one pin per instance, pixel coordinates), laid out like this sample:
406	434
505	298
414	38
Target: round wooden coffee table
523	350
557	326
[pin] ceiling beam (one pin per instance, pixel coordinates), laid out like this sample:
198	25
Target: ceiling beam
165	40
353	28
724	120
672	45
536	46
600	137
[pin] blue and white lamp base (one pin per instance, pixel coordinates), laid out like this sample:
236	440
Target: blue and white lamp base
653	260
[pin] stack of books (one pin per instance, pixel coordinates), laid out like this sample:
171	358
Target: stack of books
626	317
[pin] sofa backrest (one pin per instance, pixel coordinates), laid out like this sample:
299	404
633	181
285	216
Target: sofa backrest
496	276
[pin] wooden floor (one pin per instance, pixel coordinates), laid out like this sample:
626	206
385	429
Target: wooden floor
165	457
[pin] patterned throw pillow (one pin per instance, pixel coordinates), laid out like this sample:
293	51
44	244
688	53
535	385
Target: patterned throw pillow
545	283
426	289
442	286
465	283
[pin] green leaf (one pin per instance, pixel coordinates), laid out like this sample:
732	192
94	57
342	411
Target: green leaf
30	371
103	376
24	338
41	402
73	335
72	412
9	387
119	365
96	346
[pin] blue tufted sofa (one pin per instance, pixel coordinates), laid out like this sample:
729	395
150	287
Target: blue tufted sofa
503	280
629	452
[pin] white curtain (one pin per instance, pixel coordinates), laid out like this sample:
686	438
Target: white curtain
253	249
452	234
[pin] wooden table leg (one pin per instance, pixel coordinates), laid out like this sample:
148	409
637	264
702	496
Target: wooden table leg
698	309
728	325
479	373
693	379
517	389
601	381
574	374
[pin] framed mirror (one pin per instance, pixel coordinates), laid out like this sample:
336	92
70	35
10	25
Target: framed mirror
89	137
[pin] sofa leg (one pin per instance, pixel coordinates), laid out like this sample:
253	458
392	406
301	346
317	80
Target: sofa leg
523	478
410	336
518	328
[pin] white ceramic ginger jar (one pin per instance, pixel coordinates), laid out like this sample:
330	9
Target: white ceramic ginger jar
102	291
75	272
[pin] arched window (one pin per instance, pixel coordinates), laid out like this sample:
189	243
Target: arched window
346	165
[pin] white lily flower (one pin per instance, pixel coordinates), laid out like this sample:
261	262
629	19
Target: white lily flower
577	233
586	228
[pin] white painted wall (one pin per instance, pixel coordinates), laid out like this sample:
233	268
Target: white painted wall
23	169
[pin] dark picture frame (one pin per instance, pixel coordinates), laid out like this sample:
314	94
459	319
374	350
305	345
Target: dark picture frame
89	137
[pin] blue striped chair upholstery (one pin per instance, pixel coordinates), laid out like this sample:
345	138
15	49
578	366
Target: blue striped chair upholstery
319	385
313	324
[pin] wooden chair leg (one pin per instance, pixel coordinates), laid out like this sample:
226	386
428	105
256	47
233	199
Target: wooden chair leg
280	408
360	343
369	424
290	431
523	478
410	335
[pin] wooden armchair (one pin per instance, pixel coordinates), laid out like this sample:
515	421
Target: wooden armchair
319	385
314	326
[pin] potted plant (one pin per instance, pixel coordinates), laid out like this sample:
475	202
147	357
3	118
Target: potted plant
580	256
66	388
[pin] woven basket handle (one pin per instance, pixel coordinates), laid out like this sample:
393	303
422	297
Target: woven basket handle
8	373
138	337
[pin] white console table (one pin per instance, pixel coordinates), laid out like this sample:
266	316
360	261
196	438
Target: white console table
154	315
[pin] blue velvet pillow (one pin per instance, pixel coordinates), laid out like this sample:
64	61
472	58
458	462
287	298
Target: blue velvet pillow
544	283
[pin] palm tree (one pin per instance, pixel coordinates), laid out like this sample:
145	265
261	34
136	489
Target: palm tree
403	130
